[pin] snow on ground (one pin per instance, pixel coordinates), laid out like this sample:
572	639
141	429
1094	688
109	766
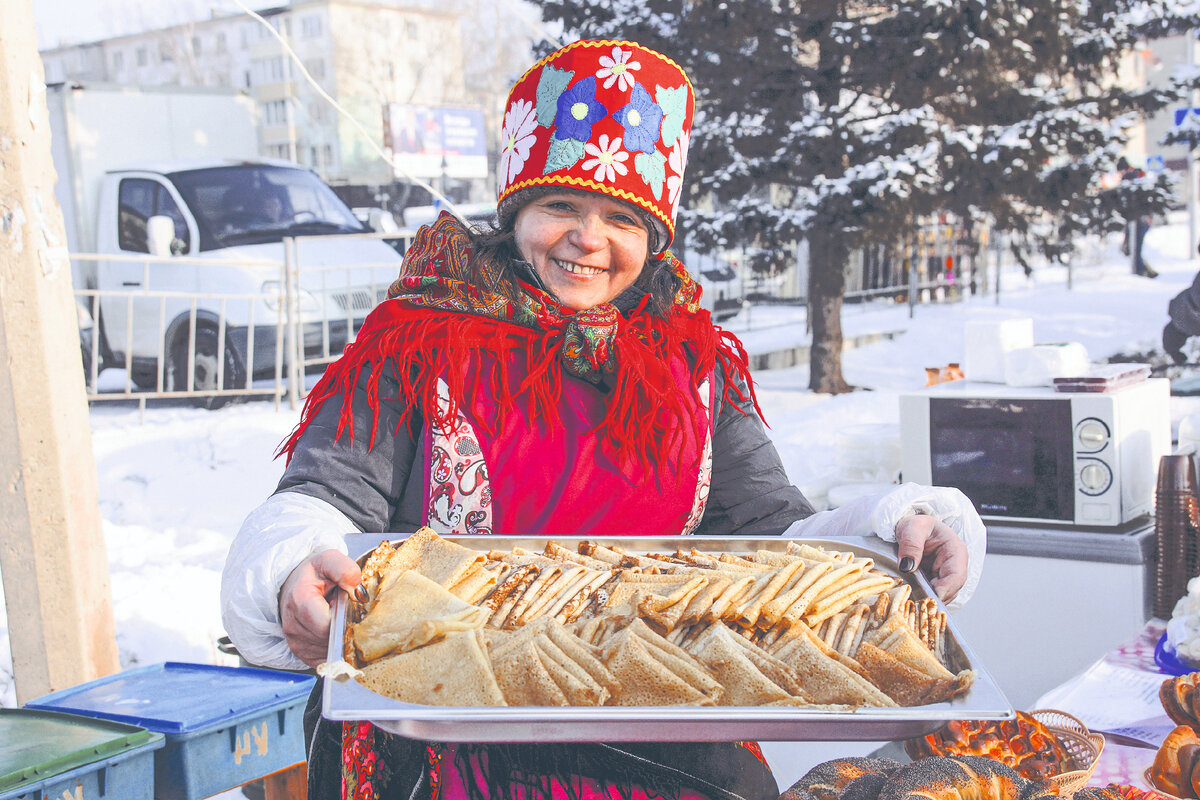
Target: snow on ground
175	485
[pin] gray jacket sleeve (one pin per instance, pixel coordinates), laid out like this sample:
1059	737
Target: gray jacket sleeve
376	485
1184	309
750	493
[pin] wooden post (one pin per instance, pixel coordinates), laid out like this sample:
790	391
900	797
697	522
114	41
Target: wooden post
52	555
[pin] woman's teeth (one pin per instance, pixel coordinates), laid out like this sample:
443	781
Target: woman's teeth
577	269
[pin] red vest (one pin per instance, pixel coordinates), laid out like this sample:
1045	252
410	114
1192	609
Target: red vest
528	477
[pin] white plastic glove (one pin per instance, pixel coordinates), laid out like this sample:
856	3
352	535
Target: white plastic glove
277	536
879	514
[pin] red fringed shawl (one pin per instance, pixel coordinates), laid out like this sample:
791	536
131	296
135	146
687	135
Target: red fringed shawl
439	314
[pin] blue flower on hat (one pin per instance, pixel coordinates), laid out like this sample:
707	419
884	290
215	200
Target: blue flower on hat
641	117
578	110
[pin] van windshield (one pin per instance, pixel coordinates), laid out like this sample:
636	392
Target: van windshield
256	203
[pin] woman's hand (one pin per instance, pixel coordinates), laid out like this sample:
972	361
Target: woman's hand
304	602
933	546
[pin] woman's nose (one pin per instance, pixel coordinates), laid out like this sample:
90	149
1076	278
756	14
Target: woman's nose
588	233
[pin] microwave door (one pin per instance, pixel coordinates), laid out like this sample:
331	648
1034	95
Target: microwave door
1009	456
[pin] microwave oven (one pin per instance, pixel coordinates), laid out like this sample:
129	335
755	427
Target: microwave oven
1037	455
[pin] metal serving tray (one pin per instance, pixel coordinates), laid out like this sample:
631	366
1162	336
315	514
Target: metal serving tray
348	700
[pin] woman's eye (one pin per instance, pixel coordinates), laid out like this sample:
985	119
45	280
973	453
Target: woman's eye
559	205
624	219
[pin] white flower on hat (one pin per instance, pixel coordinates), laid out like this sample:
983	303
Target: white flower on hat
516	139
677	161
617	69
608	158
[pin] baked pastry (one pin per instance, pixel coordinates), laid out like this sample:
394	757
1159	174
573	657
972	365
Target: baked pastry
1023	743
954	778
1180	701
828	780
1175	762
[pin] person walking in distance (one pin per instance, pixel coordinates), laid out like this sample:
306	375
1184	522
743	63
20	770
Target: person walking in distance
1135	218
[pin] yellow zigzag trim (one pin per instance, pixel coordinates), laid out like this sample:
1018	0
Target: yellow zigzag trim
603	43
591	186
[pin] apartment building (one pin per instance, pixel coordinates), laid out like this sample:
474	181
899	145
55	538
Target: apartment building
367	56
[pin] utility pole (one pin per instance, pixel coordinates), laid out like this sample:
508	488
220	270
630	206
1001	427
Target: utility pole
52	555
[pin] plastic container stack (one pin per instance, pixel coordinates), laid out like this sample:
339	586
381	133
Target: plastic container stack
44	754
224	726
1176	531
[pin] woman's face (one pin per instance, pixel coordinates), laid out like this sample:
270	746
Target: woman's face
586	248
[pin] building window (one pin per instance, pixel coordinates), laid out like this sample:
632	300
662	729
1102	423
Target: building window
221	42
410	29
197	45
310	26
166	58
118	60
327	155
275	112
141	57
316	68
246	79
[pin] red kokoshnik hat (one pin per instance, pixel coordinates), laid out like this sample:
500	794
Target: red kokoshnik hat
602	116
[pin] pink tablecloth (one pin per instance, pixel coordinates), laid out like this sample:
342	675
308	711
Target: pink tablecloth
1121	763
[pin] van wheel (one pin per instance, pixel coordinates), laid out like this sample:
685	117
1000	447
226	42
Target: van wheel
206	362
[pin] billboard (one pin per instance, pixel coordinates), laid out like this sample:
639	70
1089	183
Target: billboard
432	141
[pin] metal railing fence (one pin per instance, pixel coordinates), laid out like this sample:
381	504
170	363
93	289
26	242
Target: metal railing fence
271	334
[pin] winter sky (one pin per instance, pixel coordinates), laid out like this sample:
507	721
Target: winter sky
75	21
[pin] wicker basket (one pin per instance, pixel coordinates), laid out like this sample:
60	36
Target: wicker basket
1083	749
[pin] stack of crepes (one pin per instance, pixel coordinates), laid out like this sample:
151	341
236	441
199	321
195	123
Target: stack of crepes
449	625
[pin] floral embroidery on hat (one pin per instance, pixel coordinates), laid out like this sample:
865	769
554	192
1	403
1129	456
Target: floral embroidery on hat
617	69
578	110
677	161
674	105
563	153
519	125
608	158
650	167
609	117
552	83
641	118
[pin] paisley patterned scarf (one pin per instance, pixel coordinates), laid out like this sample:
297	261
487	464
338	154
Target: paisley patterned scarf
439	313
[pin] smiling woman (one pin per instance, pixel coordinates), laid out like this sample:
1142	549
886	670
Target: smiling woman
552	375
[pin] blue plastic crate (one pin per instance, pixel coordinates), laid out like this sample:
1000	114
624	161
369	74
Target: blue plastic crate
48	754
224	726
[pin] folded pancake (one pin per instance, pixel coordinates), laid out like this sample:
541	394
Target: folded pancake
647	680
777	606
701	608
905	685
898	638
524	679
438	559
764	590
409	611
745	684
579	687
475	583
452	672
822	676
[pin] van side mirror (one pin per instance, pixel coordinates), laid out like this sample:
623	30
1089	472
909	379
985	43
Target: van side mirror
160	235
381	221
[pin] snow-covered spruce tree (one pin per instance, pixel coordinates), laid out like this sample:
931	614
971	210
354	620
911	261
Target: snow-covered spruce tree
865	117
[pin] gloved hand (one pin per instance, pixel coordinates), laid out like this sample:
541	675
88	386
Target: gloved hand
881	515
1173	341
